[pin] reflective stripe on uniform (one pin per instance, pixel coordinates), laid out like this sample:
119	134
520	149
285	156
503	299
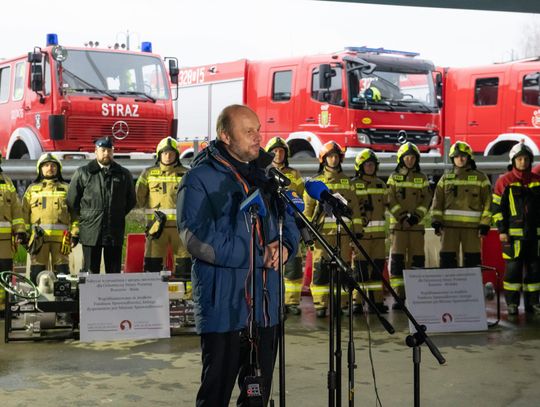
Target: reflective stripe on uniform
531	287
515	232
7	187
461	216
397	282
513	211
496	199
293	287
164	178
375	226
511	286
49	194
395	208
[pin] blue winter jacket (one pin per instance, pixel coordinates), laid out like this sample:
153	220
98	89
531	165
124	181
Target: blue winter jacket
217	235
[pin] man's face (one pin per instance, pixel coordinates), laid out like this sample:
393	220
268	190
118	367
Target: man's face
168	157
104	155
332	160
370	167
461	160
522	162
245	141
409	160
279	155
49	169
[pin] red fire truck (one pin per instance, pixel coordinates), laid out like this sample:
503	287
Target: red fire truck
360	97
61	99
493	107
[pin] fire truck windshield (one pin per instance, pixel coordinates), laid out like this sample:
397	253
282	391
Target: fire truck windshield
392	90
114	73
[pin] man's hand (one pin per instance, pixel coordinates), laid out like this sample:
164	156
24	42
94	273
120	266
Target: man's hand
503	237
21	238
437	227
271	255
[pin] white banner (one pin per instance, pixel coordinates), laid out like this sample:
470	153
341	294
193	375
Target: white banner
124	306
446	300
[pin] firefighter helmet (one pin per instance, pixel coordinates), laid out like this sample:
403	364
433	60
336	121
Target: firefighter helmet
460	147
520	149
331	147
373	94
408	148
276	142
168	143
48	158
364	156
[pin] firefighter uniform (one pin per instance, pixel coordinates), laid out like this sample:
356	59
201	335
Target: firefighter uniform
516	213
11	223
44	205
461	210
337	182
293	276
156	190
372	196
408	201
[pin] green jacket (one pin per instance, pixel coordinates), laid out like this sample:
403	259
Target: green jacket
100	203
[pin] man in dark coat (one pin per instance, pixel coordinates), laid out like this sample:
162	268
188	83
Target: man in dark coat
217	235
100	196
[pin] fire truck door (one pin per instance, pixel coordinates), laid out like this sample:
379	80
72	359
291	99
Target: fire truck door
323	110
485	109
527	114
38	108
280	103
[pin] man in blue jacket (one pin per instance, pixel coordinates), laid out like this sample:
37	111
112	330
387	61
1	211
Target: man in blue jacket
217	235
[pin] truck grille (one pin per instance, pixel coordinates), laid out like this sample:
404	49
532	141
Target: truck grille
420	138
143	136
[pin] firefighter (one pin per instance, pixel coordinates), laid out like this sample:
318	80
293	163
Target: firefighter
156	192
47	218
12	227
408	201
516	213
460	212
372	198
293	270
330	172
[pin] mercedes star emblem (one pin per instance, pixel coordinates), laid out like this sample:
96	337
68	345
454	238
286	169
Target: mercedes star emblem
120	130
402	137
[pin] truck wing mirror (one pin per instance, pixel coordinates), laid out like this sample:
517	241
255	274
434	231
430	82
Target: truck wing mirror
36	78
369	68
173	70
35	57
325	76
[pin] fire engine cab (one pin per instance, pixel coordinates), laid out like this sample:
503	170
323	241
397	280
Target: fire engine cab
493	107
360	97
61	99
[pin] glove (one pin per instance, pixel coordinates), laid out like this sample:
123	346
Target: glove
483	230
21	238
413	219
438	227
74	240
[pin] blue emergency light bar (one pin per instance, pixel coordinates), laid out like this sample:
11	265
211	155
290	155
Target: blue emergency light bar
52	39
146	46
382	51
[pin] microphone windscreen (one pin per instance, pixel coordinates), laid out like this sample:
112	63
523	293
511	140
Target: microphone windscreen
315	188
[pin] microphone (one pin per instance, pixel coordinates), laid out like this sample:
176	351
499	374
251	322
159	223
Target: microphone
279	177
302	228
320	192
256	201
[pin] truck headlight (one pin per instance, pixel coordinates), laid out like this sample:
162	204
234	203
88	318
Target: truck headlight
433	141
363	138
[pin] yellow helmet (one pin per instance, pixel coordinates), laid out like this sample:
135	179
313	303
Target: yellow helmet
276	142
330	147
408	148
373	94
365	155
460	147
168	143
48	158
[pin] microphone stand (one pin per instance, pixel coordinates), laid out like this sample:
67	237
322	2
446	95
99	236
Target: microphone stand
281	338
415	340
346	274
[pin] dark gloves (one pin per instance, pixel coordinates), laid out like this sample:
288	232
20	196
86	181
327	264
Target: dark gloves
74	240
413	219
21	238
438	227
483	230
